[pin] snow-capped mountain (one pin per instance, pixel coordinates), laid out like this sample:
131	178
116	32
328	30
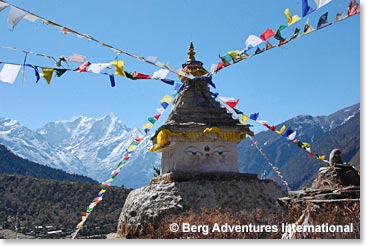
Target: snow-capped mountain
33	146
92	147
100	144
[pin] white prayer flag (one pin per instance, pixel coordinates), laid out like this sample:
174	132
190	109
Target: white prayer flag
3	6
15	15
98	67
31	17
160	74
9	73
320	3
252	41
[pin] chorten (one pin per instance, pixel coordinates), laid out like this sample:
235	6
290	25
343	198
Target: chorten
199	135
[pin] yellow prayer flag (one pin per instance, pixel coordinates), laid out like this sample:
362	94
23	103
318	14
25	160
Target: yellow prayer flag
322	157
132	148
119	66
282	130
147	125
47	74
107	181
166	98
234	54
244	118
305	145
291	19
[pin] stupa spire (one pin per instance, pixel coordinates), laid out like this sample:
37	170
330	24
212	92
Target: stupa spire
191	53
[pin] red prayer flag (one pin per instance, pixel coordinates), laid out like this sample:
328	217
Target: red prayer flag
137	75
267	34
232	104
83	67
311	155
138	139
157	116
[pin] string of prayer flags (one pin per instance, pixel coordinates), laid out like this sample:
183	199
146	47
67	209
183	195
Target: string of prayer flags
267	34
306	9
274	168
291	19
353	8
323	21
133	146
320	3
9	73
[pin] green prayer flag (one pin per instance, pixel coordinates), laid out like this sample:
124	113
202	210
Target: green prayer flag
60	71
152	120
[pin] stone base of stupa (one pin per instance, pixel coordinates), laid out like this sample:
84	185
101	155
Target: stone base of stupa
175	193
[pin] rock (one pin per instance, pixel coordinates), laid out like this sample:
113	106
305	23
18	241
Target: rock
172	194
336	176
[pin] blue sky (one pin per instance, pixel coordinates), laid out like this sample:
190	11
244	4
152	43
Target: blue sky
316	74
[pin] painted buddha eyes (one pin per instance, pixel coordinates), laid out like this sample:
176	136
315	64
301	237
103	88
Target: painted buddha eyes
195	151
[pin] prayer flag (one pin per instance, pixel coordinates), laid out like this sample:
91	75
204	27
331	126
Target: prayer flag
76	58
137	75
268	45
353	8
254	116
291	19
307	28
160	74
160	110
267	34
339	17
278	35
31	17
168	81
36	72
156	116
59	71
282	130
311	154
166	98
132	148
3	6
306	9
244	118
15	15
237	111
258	51
83	67
287	132
230	101
323	21
9	73
295	34
320	157
112	80
292	136
252	41
152	120
320	3
98	67
47	74
119	66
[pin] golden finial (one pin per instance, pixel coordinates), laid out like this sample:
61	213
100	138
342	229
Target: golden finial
191	53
